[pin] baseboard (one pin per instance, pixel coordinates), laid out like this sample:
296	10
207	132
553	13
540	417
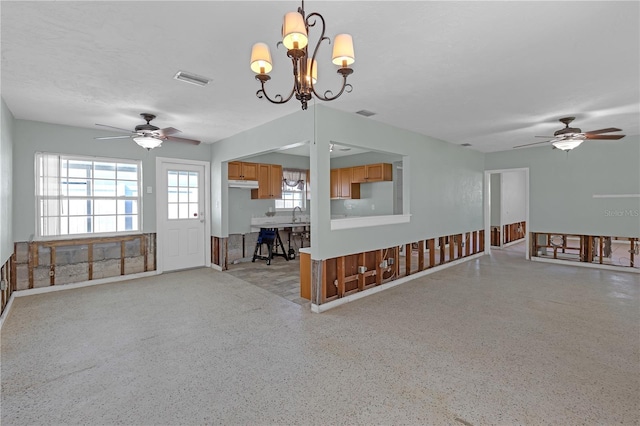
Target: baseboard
335	303
587	265
509	244
7	309
61	287
216	267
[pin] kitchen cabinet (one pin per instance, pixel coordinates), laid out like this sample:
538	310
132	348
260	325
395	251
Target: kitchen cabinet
372	173
239	170
269	182
342	187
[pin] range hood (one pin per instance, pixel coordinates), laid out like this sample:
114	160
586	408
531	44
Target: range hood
250	184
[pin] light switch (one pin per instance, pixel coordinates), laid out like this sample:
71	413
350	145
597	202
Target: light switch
149	189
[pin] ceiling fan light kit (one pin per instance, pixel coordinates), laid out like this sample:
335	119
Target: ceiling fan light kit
147	142
295	37
567	144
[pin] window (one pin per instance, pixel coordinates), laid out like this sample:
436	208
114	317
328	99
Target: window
294	189
83	195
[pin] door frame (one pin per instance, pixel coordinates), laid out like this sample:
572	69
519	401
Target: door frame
160	161
487	208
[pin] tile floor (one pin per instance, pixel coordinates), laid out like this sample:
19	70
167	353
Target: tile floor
281	277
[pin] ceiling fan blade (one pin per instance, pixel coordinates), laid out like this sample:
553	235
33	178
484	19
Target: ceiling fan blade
113	137
116	128
597	132
604	137
167	131
183	140
529	144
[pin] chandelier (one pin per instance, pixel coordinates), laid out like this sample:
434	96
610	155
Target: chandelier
295	31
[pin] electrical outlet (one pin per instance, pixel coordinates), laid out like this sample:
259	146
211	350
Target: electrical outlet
383	264
390	261
3	285
362	269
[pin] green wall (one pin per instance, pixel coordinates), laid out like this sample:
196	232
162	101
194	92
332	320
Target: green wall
32	136
562	186
442	185
6	182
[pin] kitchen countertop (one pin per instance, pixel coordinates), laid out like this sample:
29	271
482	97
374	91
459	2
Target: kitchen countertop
280	222
256	227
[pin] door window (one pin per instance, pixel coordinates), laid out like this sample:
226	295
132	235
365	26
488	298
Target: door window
182	195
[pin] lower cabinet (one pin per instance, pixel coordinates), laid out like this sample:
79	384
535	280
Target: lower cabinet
305	275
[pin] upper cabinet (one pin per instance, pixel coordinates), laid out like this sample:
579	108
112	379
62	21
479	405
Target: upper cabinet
269	178
372	173
239	170
342	185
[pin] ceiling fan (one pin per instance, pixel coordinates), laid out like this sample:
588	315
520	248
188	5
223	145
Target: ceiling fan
571	137
149	136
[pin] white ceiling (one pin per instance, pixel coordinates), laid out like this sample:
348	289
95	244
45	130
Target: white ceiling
492	74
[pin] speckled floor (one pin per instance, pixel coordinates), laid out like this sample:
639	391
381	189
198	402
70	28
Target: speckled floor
497	340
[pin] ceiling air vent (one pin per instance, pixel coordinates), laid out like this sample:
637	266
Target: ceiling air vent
365	113
191	78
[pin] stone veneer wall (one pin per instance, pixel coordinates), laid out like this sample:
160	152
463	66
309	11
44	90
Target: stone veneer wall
33	265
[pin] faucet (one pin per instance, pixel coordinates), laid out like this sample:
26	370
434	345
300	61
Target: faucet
293	213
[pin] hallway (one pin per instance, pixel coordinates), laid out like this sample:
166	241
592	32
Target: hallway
498	340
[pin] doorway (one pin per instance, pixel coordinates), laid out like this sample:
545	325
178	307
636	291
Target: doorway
182	214
506	208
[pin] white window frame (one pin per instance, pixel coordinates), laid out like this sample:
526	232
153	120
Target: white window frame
39	196
303	194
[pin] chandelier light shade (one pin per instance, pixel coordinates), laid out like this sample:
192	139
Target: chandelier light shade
147	142
295	38
261	59
294	31
343	50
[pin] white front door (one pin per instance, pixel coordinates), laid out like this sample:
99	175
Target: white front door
182	216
